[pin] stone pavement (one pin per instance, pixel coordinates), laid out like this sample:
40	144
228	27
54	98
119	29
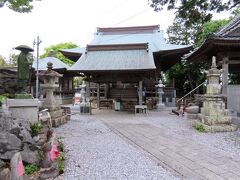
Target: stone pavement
189	158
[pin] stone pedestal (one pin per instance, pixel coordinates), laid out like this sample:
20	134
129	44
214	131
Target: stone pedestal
214	116
192	112
24	108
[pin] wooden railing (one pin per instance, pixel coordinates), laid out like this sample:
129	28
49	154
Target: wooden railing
189	93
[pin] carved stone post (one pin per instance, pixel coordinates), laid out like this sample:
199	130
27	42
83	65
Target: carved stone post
214	117
83	93
225	76
85	107
160	105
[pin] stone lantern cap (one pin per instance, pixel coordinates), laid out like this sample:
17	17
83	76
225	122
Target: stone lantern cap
160	84
49	72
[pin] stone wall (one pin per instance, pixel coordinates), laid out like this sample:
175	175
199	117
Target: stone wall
233	99
8	80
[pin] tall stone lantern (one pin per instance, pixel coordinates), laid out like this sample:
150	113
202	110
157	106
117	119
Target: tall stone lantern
214	116
85	107
83	94
160	105
50	79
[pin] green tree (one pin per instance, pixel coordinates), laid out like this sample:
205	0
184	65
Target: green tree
179	34
58	54
236	11
195	11
22	6
210	28
13	59
188	76
2	61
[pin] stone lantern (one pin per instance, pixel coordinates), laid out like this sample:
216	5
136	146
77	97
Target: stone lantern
50	79
214	116
83	93
85	106
160	105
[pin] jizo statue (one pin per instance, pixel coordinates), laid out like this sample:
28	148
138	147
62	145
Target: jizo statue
24	64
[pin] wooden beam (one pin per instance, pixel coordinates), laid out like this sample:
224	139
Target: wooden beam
140	93
98	95
230	62
229	54
225	75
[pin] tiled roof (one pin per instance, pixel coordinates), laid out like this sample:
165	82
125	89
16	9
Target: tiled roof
78	50
154	38
227	30
115	60
229	35
124	48
42	63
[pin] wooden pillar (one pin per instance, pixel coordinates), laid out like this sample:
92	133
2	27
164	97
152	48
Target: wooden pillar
140	93
106	90
60	90
225	76
88	89
98	95
73	83
173	82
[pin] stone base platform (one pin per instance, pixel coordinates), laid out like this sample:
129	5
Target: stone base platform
59	120
58	117
85	109
192	116
24	108
217	127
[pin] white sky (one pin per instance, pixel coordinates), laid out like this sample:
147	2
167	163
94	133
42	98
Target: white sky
59	21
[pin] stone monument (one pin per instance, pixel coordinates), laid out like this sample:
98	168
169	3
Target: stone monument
214	117
23	106
50	79
160	105
84	105
24	64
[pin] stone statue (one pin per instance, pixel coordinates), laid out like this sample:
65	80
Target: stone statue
24	63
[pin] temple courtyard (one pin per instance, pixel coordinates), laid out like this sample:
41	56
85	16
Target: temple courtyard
159	145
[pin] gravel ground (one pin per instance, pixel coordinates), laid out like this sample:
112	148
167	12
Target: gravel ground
93	151
224	142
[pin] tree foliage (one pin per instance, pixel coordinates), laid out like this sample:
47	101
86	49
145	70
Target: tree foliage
13	59
196	34
58	54
210	28
179	34
2	61
22	6
195	11
188	76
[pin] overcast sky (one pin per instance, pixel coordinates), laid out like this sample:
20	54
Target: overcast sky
57	21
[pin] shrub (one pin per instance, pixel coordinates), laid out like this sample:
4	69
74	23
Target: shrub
61	167
61	158
36	128
199	127
60	145
31	168
2	97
